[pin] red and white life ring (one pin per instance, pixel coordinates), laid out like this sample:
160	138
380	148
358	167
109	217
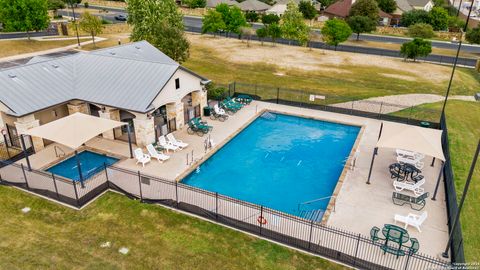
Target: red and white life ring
262	220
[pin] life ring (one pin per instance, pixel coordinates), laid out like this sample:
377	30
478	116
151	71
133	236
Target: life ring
262	220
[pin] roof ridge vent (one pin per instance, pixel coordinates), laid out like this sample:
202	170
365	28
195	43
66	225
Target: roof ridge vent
137	47
112	53
12	76
55	66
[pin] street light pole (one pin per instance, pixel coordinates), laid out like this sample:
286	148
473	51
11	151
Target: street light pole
465	189
75	21
456	60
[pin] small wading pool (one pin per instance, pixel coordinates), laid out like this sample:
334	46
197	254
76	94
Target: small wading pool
281	162
90	162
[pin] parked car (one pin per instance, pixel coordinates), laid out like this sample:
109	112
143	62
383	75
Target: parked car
121	17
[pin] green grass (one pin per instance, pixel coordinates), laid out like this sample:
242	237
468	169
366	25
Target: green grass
463	122
358	82
56	237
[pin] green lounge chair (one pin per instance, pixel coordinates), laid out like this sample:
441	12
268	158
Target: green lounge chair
198	127
416	203
244	99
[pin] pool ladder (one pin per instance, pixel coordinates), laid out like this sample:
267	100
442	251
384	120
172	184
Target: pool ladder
57	150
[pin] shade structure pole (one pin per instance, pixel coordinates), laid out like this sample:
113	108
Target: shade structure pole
462	200
79	169
438	181
371	164
129	140
22	140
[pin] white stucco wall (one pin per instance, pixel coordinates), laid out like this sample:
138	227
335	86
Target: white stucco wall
188	83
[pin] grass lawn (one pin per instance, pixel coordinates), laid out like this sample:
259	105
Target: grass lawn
463	121
14	47
355	82
54	236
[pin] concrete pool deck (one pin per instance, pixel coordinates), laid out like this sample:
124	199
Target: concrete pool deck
358	206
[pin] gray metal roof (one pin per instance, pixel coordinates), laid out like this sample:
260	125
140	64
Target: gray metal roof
418	3
128	77
253	5
214	3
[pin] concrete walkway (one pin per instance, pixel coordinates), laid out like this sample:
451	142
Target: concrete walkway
394	103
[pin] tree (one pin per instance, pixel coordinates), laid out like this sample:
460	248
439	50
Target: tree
24	15
91	24
438	18
195	3
361	24
335	31
455	24
421	30
55	5
274	31
416	48
326	3
367	8
414	16
307	9
388	6
262	33
268	19
235	20
251	16
248	32
293	26
160	23
212	22
473	35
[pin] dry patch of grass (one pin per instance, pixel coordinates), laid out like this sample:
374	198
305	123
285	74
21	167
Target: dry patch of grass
15	47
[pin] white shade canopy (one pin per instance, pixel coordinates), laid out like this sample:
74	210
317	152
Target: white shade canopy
74	130
412	138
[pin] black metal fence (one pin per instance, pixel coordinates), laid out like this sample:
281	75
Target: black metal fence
11	147
337	104
350	248
440	59
456	247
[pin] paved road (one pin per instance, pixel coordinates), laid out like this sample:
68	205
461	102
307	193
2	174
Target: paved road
191	21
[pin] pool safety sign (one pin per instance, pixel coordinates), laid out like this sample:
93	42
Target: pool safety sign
313	97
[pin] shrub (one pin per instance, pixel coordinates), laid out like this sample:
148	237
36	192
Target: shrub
473	35
421	30
413	17
86	5
251	16
416	48
216	93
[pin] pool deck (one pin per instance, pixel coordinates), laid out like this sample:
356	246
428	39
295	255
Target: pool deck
358	206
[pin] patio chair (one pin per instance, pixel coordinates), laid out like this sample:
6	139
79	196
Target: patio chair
412	220
233	102
174	141
374	234
141	157
415	246
416	162
168	146
416	203
409	154
153	153
218	113
415	187
197	127
201	124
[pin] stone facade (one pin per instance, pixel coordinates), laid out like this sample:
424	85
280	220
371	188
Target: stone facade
144	130
175	110
27	122
74	107
199	97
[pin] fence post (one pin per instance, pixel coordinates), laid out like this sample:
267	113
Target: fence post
176	193
76	192
140	185
234	87
24	175
216	205
310	237
6	144
55	185
106	174
380	111
408	260
356	250
278	93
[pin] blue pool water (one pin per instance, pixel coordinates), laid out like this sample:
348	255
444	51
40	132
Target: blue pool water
279	162
90	162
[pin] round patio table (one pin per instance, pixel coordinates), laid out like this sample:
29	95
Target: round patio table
409	170
396	234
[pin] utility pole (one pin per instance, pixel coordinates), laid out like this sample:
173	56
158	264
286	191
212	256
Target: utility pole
74	21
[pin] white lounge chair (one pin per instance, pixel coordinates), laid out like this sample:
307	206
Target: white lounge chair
163	143
219	110
174	141
412	186
410	154
153	153
415	162
141	157
412	220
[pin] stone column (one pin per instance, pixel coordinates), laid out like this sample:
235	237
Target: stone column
199	97
144	130
25	123
175	110
112	114
74	107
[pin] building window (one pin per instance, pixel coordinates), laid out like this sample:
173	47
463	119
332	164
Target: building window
177	83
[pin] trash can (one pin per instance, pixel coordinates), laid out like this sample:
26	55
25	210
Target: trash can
206	111
425	124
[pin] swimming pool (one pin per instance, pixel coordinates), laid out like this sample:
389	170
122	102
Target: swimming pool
279	161
90	162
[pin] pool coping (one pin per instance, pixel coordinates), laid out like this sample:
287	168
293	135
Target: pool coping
343	174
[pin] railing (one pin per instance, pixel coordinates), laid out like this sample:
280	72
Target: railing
317	200
58	149
350	248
